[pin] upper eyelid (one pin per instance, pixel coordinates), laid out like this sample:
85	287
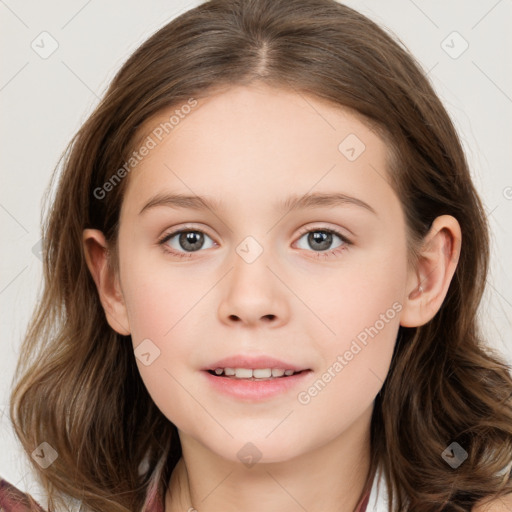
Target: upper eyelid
336	231
175	232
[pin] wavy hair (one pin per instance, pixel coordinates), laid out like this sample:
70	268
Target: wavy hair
77	385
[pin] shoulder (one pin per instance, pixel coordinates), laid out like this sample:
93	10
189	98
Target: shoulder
14	500
503	504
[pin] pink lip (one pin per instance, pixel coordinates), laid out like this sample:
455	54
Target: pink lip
241	361
253	390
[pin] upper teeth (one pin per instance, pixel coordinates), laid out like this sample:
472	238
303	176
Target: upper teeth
259	373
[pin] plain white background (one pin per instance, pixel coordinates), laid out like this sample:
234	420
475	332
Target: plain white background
45	98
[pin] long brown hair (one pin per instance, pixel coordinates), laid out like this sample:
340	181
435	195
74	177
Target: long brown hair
78	386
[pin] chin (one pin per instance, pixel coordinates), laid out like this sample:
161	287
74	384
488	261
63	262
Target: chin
252	451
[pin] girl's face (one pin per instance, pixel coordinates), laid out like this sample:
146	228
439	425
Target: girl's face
277	265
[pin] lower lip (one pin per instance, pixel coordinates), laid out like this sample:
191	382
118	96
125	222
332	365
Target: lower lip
253	390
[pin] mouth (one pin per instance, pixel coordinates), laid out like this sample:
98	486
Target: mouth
254	385
253	378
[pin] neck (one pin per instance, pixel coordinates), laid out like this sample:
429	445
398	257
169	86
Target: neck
331	478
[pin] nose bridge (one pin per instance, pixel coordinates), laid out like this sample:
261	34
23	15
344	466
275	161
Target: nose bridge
252	292
250	250
250	266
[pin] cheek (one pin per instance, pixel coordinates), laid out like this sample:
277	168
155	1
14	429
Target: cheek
161	320
162	310
356	360
353	297
359	311
159	297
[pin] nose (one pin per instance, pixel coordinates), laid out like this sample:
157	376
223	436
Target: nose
252	295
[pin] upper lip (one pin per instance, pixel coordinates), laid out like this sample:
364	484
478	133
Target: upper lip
259	362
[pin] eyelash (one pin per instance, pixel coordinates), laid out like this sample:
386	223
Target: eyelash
318	255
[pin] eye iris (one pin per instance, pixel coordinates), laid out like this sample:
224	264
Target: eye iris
322	237
191	238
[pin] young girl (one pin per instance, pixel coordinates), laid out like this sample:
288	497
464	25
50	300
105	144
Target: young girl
320	342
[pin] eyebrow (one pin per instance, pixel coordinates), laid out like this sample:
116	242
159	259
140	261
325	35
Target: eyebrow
305	202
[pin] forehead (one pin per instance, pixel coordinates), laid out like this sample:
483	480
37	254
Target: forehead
256	143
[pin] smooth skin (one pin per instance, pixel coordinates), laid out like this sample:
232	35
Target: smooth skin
250	148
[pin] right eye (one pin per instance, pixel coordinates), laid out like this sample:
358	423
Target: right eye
183	242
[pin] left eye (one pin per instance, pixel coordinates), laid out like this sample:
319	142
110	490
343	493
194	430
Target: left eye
321	239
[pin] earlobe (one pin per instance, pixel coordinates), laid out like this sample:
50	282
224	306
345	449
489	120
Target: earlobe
428	283
97	258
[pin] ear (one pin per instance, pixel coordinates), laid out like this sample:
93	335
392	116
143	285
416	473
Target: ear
438	260
503	504
107	282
